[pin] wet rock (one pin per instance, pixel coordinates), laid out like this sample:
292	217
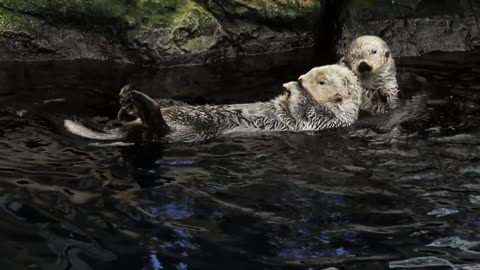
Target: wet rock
167	32
413	27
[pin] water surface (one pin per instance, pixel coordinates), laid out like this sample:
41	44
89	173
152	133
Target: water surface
272	201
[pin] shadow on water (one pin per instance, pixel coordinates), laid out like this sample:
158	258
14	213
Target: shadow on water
278	201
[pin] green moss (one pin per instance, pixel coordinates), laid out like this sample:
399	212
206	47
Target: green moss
13	22
241	10
65	8
156	6
151	14
177	15
188	25
289	9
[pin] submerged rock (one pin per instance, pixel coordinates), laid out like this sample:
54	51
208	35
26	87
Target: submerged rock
160	32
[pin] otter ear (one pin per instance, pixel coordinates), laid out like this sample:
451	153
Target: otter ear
387	55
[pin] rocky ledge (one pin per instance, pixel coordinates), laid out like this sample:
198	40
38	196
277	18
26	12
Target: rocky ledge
178	32
157	32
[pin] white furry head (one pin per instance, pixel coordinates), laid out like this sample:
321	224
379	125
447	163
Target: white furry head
335	87
368	55
332	84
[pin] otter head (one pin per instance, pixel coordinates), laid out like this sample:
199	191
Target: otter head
367	55
332	84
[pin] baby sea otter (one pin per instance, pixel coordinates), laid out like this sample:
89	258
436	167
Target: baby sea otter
369	57
325	97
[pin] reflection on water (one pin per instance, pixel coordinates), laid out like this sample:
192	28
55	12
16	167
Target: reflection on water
278	201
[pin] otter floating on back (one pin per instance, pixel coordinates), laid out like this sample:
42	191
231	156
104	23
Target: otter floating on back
325	97
369	57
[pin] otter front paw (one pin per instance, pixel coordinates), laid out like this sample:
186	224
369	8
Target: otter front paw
389	97
139	105
383	100
126	112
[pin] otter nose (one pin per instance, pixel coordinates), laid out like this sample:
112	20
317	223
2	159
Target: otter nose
363	67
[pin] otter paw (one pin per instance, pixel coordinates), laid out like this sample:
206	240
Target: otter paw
388	98
383	95
380	101
126	115
143	107
125	89
127	111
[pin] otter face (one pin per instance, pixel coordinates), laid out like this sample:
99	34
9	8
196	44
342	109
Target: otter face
332	84
367	54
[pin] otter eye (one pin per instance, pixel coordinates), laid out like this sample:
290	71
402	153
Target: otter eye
337	98
321	82
374	51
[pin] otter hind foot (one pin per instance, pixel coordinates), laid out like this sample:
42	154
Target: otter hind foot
144	110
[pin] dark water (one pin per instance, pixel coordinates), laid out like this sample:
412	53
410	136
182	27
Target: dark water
280	201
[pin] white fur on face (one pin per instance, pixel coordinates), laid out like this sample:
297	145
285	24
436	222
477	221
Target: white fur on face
371	50
330	84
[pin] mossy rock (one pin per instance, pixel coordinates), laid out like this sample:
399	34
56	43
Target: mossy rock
14	22
265	10
68	8
160	32
187	14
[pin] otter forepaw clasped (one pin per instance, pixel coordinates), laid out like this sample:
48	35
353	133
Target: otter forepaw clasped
143	109
127	111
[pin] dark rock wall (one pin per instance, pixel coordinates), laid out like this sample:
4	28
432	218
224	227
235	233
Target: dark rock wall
413	27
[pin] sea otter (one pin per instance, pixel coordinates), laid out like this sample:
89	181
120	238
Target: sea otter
369	57
325	97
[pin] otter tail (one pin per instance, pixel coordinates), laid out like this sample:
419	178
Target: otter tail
81	130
